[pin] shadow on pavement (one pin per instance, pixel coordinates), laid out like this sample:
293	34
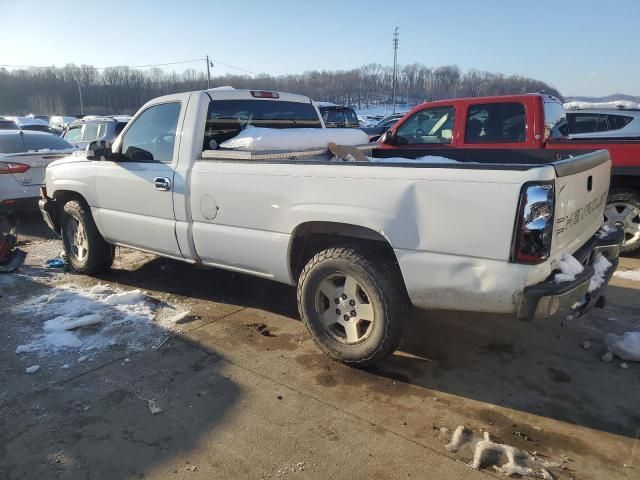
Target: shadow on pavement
93	420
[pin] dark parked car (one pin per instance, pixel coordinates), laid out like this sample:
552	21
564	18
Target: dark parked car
8	124
382	126
336	116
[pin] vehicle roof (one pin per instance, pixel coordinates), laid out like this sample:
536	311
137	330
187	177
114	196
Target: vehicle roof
232	94
95	119
24	132
491	99
26	120
613	111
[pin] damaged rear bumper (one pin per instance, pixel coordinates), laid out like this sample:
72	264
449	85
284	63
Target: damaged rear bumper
49	211
573	298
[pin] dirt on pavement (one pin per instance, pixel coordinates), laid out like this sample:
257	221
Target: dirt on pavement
236	388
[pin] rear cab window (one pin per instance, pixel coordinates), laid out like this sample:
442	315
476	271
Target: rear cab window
227	118
496	123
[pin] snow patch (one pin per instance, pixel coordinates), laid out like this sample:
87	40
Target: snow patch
89	320
626	346
605	230
601	265
569	268
616	104
628	275
33	369
265	139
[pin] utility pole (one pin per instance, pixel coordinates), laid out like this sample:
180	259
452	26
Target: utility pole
80	94
395	65
208	74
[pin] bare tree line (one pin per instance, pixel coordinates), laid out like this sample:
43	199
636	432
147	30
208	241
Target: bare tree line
124	90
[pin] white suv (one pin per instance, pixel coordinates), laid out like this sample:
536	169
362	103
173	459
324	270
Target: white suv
603	123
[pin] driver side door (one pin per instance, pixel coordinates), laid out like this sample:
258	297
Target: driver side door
135	191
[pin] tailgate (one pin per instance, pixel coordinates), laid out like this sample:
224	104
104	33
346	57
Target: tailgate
582	185
37	165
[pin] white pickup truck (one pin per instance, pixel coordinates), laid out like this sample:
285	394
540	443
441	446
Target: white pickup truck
361	240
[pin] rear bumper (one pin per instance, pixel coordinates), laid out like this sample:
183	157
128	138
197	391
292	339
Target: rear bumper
49	210
573	298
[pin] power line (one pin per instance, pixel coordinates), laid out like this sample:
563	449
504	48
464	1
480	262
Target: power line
134	66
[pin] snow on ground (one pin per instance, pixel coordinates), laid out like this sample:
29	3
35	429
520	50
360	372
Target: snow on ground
569	268
503	458
88	320
628	275
625	346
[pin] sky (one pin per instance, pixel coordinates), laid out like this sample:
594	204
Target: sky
584	47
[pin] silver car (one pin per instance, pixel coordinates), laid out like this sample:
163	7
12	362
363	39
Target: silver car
24	156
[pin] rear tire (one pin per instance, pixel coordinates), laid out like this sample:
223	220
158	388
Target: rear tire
86	250
623	209
355	310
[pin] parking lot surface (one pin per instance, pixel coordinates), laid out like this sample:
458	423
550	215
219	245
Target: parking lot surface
236	389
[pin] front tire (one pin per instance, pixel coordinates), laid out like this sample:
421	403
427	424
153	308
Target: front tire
623	210
355	310
86	250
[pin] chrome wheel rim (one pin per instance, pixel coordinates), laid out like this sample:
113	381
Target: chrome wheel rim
626	216
344	308
77	239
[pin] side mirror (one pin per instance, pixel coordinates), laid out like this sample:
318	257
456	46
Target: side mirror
99	150
389	138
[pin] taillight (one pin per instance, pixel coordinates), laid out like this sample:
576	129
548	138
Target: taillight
10	167
534	224
264	94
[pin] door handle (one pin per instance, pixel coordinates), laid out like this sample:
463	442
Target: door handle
162	184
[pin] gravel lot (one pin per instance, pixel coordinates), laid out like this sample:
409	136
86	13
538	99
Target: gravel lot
240	391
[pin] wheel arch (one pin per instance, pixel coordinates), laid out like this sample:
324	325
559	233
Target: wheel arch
310	237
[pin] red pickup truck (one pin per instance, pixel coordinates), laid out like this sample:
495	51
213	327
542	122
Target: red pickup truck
531	126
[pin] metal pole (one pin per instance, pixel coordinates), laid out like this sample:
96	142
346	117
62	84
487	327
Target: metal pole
80	94
395	65
208	74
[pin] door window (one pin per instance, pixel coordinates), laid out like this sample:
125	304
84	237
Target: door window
432	125
496	123
587	123
152	135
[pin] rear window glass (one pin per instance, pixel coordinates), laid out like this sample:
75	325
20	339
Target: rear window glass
616	122
351	117
45	142
496	123
11	144
226	118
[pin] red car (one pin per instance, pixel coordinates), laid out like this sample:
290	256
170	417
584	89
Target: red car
474	129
